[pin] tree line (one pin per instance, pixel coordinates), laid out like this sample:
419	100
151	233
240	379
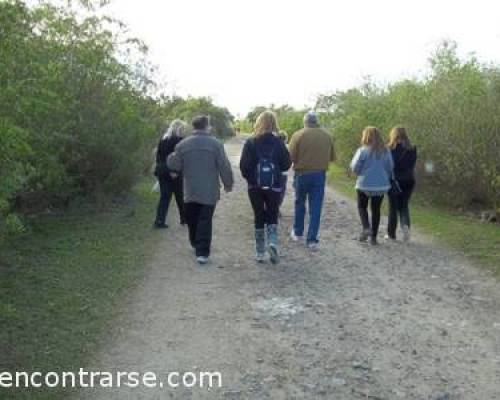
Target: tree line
452	115
79	110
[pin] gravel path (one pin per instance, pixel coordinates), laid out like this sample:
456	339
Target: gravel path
398	321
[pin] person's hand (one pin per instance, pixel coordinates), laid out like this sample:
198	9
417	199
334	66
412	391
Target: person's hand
173	175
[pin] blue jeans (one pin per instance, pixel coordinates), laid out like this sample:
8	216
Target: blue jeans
309	186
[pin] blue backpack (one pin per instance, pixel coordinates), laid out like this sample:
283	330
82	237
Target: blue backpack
266	171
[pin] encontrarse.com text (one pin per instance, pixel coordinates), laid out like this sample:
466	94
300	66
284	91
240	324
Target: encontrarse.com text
94	379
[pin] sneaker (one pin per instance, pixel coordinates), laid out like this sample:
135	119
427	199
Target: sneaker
365	234
274	255
389	239
202	260
313	246
406	233
373	241
295	237
260	257
157	225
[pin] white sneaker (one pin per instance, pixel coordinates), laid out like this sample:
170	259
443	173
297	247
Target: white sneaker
406	233
389	239
260	257
313	246
295	237
202	260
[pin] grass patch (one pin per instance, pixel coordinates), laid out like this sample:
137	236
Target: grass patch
477	240
60	285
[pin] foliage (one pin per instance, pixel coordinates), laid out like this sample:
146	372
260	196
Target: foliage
452	116
221	119
289	119
77	115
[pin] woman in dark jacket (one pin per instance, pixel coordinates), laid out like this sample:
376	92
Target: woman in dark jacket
404	155
264	159
170	182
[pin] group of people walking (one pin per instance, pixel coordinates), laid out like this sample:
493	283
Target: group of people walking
192	169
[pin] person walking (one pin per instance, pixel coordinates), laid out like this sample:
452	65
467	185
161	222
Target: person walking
311	150
404	155
373	166
170	183
263	160
283	135
203	162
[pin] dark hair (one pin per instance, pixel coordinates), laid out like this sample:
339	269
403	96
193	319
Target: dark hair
200	122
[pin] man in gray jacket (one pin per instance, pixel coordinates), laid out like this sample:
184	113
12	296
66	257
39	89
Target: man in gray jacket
203	162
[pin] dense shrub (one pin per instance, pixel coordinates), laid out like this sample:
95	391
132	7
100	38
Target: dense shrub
76	113
453	115
290	119
221	119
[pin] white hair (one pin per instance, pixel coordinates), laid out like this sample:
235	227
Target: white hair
311	119
176	128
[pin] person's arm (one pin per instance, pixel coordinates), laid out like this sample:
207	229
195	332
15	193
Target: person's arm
357	162
159	153
225	170
413	159
293	147
246	161
389	163
285	160
174	161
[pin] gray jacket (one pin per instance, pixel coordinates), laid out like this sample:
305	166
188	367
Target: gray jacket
203	161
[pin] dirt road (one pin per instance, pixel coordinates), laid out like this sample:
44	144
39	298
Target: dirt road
397	321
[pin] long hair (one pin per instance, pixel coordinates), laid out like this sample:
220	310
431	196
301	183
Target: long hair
399	135
266	123
177	128
372	138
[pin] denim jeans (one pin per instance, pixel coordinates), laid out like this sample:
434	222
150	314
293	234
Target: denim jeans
310	187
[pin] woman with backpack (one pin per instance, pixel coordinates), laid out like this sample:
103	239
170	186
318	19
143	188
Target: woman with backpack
373	166
263	160
404	155
170	182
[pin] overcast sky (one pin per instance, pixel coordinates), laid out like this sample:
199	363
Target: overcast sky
244	53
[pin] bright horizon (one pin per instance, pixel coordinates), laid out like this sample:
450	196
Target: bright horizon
244	54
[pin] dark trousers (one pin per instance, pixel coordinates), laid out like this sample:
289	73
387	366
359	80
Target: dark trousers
399	205
169	187
199	220
266	206
375	205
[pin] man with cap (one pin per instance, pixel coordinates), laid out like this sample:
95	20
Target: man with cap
311	150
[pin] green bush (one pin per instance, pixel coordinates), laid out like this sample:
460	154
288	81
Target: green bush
221	119
453	116
289	119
